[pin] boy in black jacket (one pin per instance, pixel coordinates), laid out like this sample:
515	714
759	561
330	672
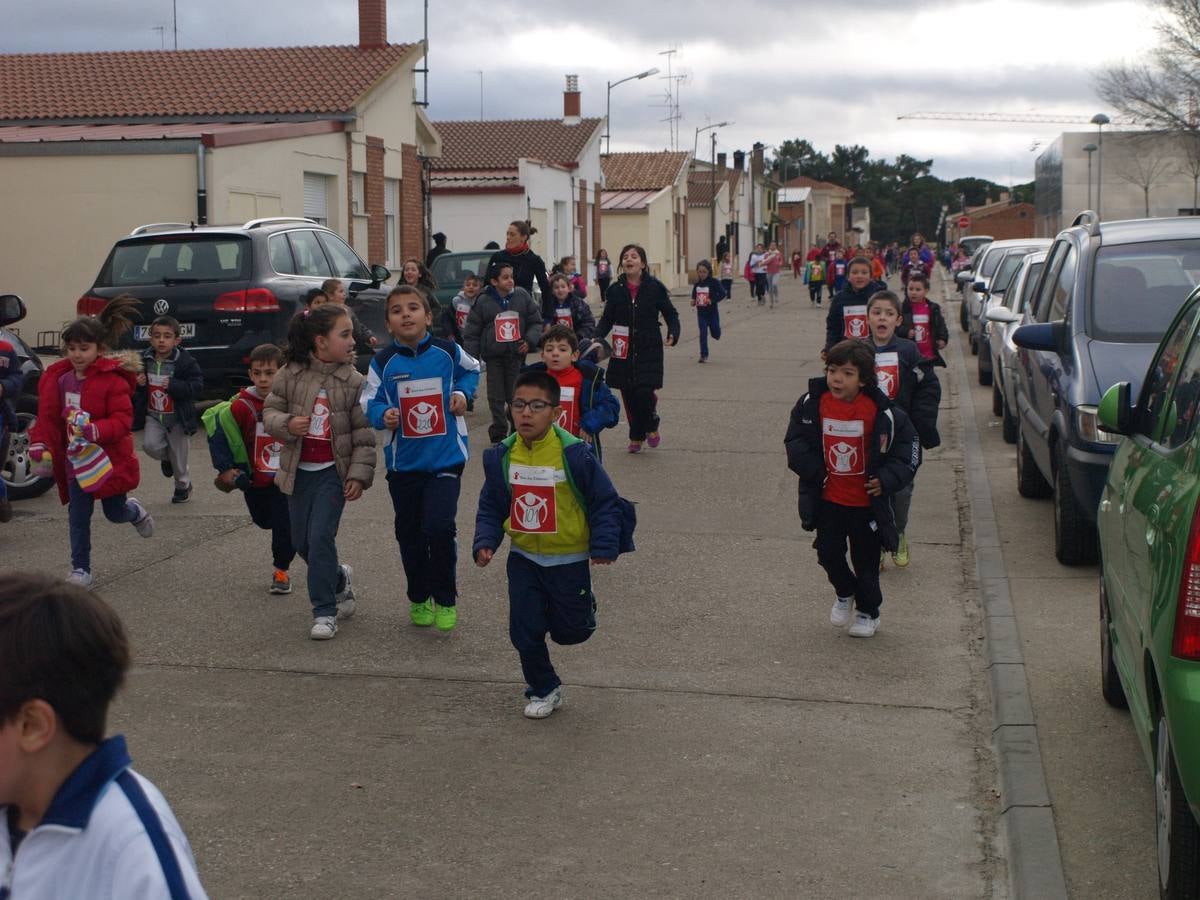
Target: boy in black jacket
909	381
706	294
853	451
847	317
923	322
164	403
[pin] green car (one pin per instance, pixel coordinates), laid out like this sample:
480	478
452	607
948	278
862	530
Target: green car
1149	526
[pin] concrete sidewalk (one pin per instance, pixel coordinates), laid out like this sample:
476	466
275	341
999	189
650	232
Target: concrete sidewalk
719	738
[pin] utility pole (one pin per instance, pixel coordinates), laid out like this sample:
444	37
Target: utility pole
175	21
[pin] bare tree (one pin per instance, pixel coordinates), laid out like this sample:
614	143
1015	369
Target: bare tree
1144	163
1189	143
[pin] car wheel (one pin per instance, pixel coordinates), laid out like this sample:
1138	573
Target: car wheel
1110	680
1008	425
1075	540
1030	482
962	315
16	467
1177	835
997	400
985	375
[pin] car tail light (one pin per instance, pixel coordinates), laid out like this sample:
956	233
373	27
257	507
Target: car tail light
252	300
89	305
1185	643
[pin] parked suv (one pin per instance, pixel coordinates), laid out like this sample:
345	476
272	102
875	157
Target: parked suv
992	256
1106	295
233	287
15	466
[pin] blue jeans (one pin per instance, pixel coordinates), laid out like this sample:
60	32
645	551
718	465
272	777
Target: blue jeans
315	510
117	509
547	599
710	320
426	504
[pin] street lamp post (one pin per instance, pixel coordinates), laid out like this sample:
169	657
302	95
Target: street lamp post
712	173
608	105
1089	149
1100	120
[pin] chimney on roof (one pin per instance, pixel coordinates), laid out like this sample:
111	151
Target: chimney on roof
739	160
756	159
571	101
721	162
372	24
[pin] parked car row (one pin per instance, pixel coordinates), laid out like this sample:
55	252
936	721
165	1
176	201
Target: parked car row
1095	364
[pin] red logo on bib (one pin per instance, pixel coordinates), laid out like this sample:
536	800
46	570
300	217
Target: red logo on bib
855	319
158	399
266	451
563	317
845	453
620	342
702	297
422	413
887	373
533	504
569	417
508	327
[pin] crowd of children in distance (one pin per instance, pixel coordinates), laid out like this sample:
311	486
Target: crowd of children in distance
300	442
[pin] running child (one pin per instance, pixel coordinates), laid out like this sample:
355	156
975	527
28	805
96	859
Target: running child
504	324
588	406
814	276
164	403
839	272
757	266
564	307
853	451
417	389
80	822
923	322
706	294
548	492
908	380
328	455
83	433
726	276
333	291
453	319
847	317
11	380
246	458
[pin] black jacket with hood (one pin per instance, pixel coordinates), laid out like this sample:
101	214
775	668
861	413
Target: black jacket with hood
920	392
644	365
835	327
937	327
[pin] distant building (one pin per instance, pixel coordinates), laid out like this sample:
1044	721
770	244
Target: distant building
795	215
708	214
645	202
544	170
1004	219
829	208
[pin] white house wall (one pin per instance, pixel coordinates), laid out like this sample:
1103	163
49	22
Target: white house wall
470	221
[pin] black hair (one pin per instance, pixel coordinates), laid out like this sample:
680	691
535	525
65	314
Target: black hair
919	276
561	333
853	353
542	381
884	297
491	245
106	329
424	277
313	294
471	276
858	261
305	326
707	265
641	251
524	227
63	645
559	276
407	290
494	269
264	353
166	322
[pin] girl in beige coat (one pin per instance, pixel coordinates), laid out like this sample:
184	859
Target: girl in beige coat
328	454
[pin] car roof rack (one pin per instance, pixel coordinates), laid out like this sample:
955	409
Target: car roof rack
1091	219
255	223
166	226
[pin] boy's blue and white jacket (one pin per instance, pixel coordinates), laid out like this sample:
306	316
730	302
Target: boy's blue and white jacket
436	367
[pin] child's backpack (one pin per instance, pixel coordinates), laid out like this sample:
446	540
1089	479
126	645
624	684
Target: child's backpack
221	417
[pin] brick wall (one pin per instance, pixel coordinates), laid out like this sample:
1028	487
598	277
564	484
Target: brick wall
581	218
597	239
1016	221
349	189
372	23
373	196
413	240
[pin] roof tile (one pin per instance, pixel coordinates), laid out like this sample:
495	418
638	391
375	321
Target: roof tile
642	171
498	144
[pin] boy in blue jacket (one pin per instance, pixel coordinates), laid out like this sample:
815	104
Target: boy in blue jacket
706	294
545	489
417	388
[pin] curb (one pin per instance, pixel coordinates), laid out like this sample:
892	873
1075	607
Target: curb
1026	814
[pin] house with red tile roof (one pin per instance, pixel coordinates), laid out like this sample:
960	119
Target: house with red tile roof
645	201
94	144
708	212
826	207
546	171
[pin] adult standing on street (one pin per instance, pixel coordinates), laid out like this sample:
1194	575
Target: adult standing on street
629	329
439	247
526	264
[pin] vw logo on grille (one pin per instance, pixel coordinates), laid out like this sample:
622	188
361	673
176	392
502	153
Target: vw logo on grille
161	307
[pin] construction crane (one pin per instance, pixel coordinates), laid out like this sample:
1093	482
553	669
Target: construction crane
1029	118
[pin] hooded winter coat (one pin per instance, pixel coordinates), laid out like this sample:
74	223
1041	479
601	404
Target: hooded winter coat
834	324
644	364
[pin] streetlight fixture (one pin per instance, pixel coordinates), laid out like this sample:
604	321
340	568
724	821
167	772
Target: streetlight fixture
1100	120
712	174
608	104
1090	148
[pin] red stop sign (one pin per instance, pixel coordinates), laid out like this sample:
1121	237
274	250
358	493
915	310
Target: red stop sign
964	221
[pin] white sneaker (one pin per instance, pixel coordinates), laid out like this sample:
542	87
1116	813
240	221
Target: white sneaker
144	523
540	707
864	626
323	628
839	615
81	577
345	597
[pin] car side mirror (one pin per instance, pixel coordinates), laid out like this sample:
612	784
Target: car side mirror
380	274
979	287
1115	414
1001	314
12	309
964	276
1050	337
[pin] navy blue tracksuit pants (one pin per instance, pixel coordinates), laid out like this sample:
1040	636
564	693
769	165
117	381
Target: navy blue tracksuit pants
554	600
426	504
268	508
837	525
709	320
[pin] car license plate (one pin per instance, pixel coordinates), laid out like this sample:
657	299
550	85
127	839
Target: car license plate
186	330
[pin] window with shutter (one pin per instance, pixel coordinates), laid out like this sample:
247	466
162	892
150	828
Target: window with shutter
316	197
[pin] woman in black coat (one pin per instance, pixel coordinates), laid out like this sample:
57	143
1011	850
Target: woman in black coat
526	264
630	332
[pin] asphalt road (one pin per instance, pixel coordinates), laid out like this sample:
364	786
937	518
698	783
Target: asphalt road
718	739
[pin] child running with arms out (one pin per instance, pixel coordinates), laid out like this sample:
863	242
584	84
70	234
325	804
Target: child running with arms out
908	380
587	405
164	404
246	458
853	451
417	389
80	822
706	294
546	490
83	434
328	455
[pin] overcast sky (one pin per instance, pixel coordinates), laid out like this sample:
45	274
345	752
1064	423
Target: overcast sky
826	72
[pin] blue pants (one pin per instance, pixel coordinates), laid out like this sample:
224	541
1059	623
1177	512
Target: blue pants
709	319
315	510
117	509
426	504
554	600
269	511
